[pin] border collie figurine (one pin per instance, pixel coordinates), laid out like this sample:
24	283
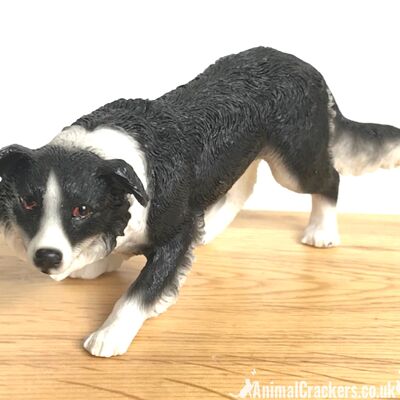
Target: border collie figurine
160	177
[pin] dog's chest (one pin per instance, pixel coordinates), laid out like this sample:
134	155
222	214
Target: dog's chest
135	234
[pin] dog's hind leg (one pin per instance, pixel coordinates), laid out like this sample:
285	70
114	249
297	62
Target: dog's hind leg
223	212
322	182
322	229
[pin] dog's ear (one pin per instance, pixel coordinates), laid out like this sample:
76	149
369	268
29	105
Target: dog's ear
121	174
13	155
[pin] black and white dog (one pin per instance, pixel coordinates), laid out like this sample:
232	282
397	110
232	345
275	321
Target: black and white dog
160	177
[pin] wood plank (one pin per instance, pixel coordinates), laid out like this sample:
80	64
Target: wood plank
256	299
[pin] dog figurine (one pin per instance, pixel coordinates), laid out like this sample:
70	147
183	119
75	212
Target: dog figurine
160	177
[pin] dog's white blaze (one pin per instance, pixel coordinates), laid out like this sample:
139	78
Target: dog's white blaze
51	232
223	212
109	144
322	230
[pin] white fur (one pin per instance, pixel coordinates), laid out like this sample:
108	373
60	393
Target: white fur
331	112
120	328
392	159
355	158
280	172
127	317
86	253
51	232
135	233
108	264
117	332
368	159
110	144
122	325
218	216
322	230
346	161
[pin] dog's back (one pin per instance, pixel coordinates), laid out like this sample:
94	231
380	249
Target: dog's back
258	103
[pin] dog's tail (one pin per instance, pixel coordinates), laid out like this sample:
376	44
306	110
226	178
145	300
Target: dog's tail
357	147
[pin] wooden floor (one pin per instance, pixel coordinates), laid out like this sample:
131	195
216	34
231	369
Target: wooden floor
257	305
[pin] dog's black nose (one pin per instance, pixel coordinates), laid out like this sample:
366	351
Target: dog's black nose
46	259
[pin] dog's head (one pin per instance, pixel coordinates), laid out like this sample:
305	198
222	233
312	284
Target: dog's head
64	209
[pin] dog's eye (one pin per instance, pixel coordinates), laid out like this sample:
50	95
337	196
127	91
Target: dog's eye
81	212
28	203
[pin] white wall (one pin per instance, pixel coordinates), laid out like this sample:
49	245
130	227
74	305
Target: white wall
61	59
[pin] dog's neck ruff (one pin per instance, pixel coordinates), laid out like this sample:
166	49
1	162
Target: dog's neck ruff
109	144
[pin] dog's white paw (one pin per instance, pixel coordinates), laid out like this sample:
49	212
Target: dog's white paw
108	341
317	236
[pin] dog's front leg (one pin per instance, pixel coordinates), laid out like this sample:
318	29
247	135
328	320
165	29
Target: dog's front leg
153	292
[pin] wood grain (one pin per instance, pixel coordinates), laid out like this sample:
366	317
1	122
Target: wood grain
255	299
